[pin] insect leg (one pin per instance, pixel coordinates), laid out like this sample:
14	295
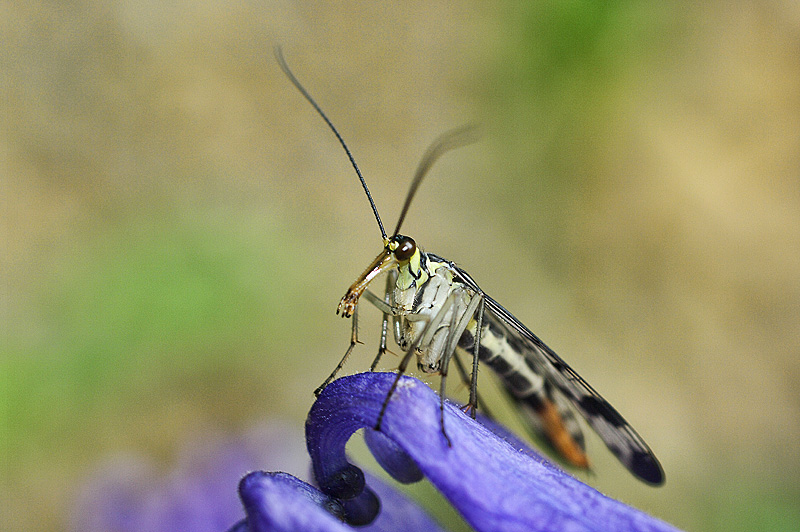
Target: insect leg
465	378
455	331
400	370
382	345
353	342
423	339
391	279
385	306
473	389
474	308
443	373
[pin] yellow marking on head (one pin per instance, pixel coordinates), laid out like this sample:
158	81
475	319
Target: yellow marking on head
411	272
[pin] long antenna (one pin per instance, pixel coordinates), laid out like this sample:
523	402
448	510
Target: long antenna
449	140
304	92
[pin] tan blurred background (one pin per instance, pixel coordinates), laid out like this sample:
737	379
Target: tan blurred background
178	225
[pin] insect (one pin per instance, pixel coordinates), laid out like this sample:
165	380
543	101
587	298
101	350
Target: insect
437	311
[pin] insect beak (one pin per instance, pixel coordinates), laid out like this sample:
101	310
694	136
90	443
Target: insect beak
382	263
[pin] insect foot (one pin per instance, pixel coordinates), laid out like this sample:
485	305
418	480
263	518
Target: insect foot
348	304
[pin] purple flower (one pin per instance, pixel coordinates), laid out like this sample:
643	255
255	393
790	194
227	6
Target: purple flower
278	502
495	481
129	493
495	486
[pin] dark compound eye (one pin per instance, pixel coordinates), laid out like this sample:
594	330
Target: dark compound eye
405	248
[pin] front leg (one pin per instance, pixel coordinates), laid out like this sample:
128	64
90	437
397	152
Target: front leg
385	307
388	300
353	342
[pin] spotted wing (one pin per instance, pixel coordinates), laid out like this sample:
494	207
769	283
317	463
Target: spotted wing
612	428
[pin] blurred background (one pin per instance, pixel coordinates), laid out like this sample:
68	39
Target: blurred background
178	225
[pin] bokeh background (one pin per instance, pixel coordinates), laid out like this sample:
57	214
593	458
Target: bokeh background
178	225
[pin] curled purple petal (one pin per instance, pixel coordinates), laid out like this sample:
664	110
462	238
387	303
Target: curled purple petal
280	502
392	459
362	509
494	487
344	483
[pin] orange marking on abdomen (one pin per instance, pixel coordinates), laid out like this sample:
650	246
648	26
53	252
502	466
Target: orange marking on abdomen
560	437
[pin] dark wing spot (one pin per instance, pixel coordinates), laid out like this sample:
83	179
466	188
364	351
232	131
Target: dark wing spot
647	468
594	406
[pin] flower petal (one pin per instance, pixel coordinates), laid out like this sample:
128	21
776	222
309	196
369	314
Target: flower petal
278	502
495	487
392	459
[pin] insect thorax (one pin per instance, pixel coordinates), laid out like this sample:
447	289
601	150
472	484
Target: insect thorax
421	302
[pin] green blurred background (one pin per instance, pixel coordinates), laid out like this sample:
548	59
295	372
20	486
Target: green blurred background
178	225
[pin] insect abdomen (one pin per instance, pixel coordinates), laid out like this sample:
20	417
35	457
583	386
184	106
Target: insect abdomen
549	414
501	352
